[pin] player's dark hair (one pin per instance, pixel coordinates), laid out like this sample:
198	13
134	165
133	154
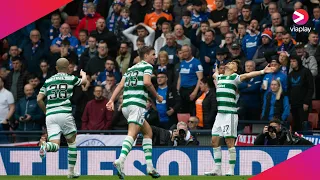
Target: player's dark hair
238	62
145	50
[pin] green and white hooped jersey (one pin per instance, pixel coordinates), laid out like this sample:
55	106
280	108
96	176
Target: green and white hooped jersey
226	93
135	93
59	90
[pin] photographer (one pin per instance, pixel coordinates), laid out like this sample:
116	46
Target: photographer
178	137
274	134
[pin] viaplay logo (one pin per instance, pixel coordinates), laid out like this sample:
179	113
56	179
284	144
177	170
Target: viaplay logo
300	17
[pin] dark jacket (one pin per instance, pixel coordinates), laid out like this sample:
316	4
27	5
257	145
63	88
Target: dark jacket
152	117
108	37
300	86
169	70
275	108
290	48
32	60
250	94
29	106
209	109
84	59
264	53
22	80
96	65
284	137
138	12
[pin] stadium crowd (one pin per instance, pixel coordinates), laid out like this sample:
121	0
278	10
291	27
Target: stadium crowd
192	40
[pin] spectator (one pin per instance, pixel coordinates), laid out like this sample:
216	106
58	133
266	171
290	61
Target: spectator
124	57
7	109
95	115
89	21
250	92
152	18
206	105
191	72
54	29
266	21
193	123
233	18
114	17
110	86
167	6
111	67
45	72
274	134
251	41
124	23
171	103
228	41
139	10
264	51
180	37
34	81
276	21
308	61
3	73
238	6
277	74
284	62
151	115
241	32
246	14
186	22
119	122
286	9
316	19
300	91
182	136
197	14
135	58
280	31
97	64
259	11
66	52
161	41
164	67
207	52
34	51
29	115
221	58
171	48
236	53
65	33
102	33
218	16
16	79
275	103
83	43
287	44
224	29
143	31
7	61
180	8
198	34
179	54
90	52
311	47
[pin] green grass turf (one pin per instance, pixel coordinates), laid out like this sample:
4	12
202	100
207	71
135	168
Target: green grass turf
126	178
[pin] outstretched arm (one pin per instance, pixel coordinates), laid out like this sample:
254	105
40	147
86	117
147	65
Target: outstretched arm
249	75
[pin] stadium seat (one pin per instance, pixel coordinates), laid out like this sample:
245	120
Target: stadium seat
316	106
184	117
313	119
73	22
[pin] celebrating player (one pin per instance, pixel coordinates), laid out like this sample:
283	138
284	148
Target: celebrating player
227	119
136	81
58	89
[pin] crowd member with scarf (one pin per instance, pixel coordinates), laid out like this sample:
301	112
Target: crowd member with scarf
89	21
115	15
275	103
65	33
124	23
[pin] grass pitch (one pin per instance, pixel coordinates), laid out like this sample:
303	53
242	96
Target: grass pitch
126	178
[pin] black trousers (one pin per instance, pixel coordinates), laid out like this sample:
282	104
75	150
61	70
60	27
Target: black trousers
187	106
298	117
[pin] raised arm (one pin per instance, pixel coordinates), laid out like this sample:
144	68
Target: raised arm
252	74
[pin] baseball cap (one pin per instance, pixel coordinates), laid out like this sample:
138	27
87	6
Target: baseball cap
267	33
118	2
235	46
222	50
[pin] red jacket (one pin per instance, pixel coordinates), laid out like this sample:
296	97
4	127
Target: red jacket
96	116
88	23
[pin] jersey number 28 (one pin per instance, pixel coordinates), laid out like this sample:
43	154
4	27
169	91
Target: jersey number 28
58	91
